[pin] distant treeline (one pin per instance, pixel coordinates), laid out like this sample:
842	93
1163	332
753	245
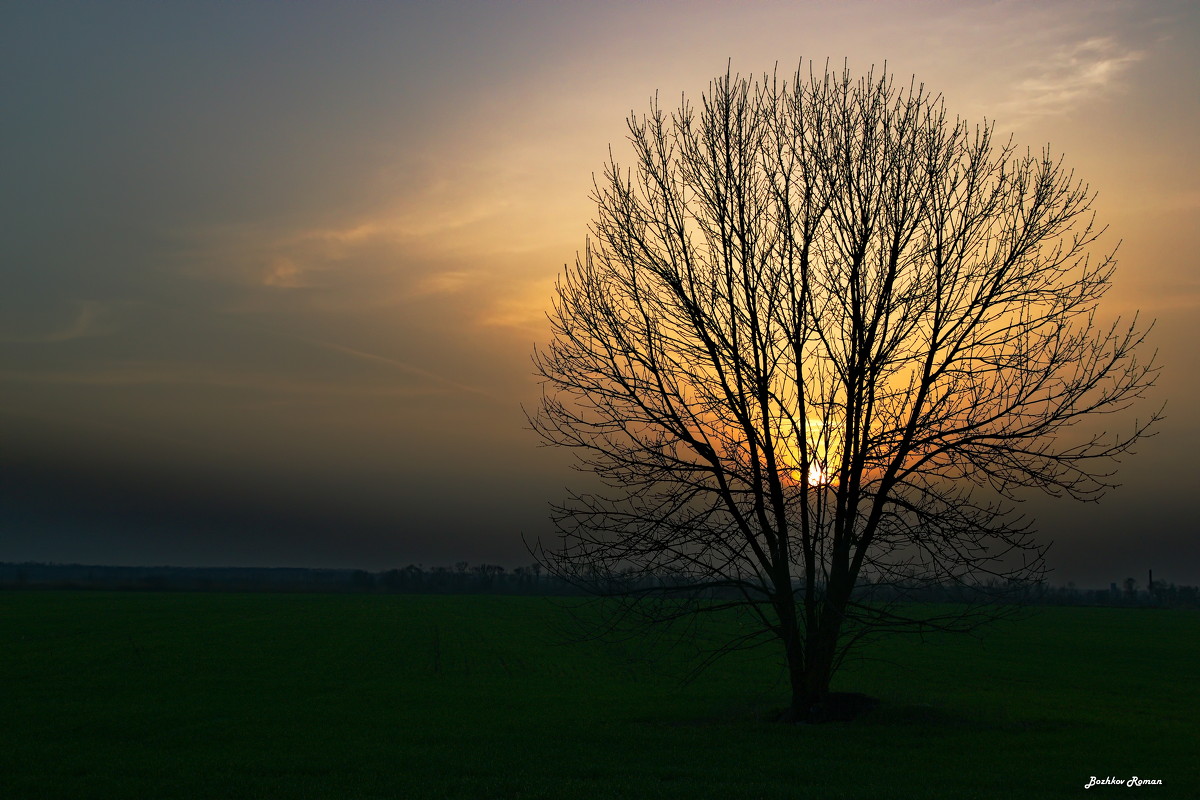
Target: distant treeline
1159	594
462	578
465	578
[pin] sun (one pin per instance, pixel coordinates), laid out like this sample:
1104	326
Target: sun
816	476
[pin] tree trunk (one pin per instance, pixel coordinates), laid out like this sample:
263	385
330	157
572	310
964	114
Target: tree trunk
810	670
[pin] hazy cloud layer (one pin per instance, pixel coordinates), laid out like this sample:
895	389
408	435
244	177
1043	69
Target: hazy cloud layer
1071	75
288	265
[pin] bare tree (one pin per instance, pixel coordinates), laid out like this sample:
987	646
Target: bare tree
821	337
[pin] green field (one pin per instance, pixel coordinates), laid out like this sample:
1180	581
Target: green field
143	695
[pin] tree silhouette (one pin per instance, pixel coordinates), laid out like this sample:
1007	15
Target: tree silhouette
820	337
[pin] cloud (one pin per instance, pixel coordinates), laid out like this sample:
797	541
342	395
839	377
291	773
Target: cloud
92	319
447	256
448	282
403	367
142	374
522	309
1070	76
283	273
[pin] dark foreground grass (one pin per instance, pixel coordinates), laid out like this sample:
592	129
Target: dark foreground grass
297	696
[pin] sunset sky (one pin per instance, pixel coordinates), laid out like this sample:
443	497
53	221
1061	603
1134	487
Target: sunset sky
272	273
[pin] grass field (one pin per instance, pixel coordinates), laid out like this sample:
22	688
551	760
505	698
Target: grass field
359	696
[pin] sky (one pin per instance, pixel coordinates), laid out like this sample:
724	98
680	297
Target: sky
271	274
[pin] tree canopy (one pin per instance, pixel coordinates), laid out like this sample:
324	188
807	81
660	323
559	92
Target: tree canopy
822	334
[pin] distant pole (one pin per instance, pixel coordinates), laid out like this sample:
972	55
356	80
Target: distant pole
1150	583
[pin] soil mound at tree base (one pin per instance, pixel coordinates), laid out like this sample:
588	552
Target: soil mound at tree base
836	707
